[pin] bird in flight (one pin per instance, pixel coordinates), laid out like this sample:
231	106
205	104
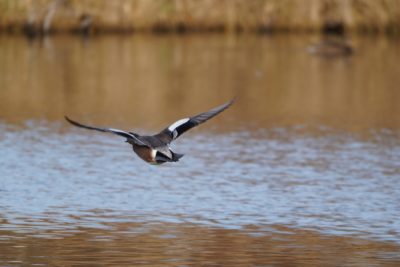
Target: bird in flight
155	149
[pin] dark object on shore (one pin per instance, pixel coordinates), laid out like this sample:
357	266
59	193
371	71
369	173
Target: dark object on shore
155	149
331	48
334	27
30	30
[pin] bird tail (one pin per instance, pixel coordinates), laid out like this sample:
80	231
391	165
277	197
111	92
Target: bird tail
176	156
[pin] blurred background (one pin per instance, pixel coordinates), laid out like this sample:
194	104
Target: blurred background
303	170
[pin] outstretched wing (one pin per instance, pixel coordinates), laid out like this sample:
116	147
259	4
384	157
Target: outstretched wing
107	130
179	127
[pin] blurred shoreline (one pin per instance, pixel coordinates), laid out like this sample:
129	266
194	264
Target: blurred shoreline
181	16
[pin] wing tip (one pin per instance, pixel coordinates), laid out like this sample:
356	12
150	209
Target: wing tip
71	121
230	102
75	123
68	119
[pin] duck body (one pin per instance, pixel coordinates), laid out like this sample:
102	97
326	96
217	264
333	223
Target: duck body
331	48
155	149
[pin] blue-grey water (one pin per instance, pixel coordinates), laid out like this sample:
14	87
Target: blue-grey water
332	183
292	173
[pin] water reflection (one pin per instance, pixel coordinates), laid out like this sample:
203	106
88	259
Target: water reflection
134	82
302	170
155	244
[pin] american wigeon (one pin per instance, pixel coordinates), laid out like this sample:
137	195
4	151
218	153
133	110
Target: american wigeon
155	149
332	48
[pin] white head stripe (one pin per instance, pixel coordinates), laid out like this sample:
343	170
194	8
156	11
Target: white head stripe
176	124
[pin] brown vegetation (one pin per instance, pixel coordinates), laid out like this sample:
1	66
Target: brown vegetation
205	15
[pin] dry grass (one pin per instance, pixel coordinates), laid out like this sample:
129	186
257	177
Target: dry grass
200	15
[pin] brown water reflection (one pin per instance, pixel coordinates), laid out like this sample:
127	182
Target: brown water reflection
147	81
156	244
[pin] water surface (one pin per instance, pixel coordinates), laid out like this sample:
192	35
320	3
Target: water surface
302	170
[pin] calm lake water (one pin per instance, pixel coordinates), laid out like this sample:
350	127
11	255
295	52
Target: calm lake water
303	170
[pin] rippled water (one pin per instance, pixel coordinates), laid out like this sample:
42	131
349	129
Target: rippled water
292	174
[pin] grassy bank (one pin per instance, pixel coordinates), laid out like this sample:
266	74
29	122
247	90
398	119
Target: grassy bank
196	15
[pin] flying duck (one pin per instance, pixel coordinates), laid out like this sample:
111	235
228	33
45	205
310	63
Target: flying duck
155	149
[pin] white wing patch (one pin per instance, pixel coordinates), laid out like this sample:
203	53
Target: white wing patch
176	124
